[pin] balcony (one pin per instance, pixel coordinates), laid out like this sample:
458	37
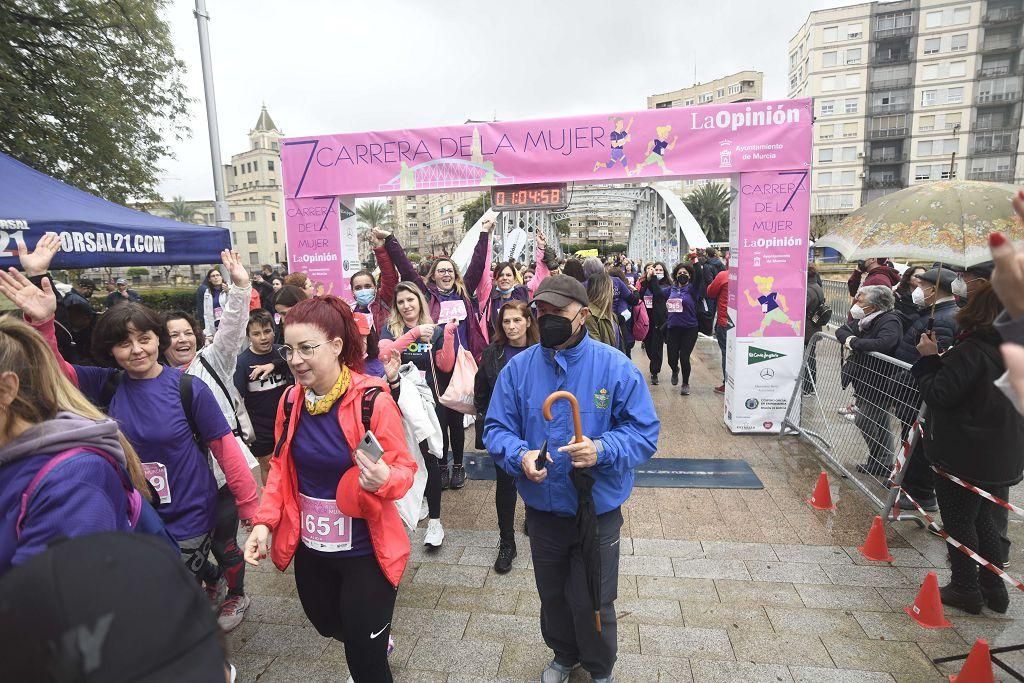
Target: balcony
1001	45
888	60
878	159
893	108
891	84
888	33
996	71
888	133
996	141
891	183
1002	15
997	97
993	176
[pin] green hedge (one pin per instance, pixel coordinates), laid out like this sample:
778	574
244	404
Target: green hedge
170	299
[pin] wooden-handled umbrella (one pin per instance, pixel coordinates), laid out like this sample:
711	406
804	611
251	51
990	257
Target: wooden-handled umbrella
586	512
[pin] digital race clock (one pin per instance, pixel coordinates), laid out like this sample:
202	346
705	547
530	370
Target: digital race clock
541	196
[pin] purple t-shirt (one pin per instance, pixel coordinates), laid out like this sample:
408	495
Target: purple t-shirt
462	338
322	456
150	414
513	351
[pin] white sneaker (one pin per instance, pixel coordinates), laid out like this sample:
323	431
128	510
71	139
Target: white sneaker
424	510
435	533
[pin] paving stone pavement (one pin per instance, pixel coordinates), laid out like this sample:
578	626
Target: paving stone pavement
715	585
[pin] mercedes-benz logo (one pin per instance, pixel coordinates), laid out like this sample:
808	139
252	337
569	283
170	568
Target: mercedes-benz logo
767	373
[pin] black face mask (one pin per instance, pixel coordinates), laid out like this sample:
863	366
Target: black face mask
682	280
555	330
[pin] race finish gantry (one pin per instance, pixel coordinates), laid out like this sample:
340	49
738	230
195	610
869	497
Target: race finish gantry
763	147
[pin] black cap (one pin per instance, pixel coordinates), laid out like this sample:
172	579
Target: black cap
560	291
86	282
107	607
943	277
982	270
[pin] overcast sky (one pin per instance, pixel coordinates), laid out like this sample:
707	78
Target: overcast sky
332	66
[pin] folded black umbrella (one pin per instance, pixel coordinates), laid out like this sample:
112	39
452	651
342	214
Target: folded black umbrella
586	511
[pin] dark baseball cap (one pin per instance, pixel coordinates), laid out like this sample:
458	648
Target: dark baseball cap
107	607
982	270
87	282
943	277
560	291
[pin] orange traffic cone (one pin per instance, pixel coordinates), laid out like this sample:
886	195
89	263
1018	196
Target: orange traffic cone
821	499
927	607
875	548
978	667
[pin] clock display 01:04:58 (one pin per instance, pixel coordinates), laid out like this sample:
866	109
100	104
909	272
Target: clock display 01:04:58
548	197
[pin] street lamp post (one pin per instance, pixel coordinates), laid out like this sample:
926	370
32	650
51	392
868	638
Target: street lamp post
220	205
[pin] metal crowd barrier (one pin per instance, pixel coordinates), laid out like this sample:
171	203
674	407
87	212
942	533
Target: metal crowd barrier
837	296
856	410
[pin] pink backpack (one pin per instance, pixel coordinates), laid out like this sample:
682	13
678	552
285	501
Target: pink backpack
641	323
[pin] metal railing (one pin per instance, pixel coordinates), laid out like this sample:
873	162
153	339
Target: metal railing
996	176
888	133
837	296
891	84
881	33
1001	14
997	45
887	158
894	108
856	410
988	97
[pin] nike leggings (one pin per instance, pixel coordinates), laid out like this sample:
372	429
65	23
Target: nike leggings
349	599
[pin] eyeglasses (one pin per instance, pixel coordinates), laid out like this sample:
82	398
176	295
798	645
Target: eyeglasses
444	271
305	351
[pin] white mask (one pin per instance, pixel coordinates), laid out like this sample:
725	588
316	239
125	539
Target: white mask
857	312
918	296
959	288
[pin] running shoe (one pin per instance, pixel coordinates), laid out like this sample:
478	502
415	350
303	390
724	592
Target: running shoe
654	380
506	553
684	390
217	592
675	377
232	612
555	673
458	476
435	534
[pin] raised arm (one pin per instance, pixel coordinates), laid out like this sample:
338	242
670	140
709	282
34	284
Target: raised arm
223	352
388	275
476	265
402	263
540	268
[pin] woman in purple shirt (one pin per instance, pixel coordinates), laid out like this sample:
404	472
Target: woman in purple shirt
682	325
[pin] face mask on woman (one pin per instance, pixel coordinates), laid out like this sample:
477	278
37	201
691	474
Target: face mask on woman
959	288
505	292
918	296
364	297
857	313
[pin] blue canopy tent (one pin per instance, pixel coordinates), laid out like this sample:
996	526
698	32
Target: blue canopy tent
93	232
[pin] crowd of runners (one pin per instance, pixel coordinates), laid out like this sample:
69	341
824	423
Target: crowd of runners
329	431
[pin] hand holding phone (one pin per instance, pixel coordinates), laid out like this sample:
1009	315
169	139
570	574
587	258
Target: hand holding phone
371	447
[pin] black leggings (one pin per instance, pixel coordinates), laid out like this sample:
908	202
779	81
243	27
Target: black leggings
225	542
681	341
969	519
349	599
654	345
454	431
433	489
505	503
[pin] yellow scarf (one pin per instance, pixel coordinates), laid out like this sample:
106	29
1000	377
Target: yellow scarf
319	406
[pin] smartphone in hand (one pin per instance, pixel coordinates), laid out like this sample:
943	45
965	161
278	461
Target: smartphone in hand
371	447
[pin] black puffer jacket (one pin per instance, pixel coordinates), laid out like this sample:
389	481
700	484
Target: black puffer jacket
973	431
491	362
871	377
945	330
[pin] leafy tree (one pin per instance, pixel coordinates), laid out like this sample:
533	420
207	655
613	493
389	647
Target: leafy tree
709	205
137	271
562	227
91	92
376	214
472	210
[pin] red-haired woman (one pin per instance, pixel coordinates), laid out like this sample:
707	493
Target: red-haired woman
329	504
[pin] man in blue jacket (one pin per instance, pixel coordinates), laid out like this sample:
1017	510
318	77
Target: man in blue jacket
620	430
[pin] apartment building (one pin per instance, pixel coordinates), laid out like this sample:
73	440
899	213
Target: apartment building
742	86
908	92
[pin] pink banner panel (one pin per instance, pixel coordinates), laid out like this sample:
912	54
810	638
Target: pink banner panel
711	140
771	267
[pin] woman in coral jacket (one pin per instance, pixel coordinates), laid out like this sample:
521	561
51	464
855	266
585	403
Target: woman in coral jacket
327	502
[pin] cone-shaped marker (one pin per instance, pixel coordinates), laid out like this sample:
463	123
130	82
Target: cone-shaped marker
821	499
978	667
927	607
875	548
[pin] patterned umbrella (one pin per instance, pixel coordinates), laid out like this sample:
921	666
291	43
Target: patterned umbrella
947	221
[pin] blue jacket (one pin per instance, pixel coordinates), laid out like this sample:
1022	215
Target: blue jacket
615	407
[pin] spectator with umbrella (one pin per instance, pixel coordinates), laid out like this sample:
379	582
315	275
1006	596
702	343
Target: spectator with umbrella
574	490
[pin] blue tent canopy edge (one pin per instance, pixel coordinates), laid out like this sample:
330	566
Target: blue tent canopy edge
94	232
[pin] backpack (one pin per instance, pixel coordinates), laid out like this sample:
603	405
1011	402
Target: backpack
369	398
184	392
142	517
641	322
